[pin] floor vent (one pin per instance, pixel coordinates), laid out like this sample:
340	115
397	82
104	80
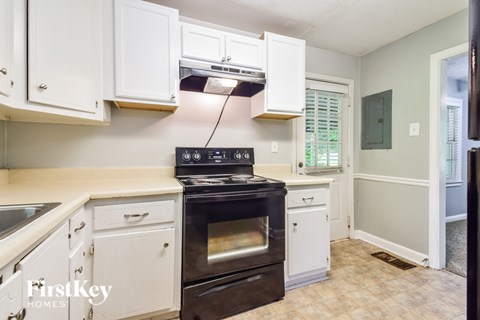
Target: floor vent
388	258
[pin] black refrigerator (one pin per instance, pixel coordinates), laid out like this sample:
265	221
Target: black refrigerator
473	175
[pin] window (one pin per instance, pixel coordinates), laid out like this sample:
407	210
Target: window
324	129
453	166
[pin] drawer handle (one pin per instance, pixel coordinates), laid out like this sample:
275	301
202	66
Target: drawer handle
3	71
79	270
39	283
19	316
80	227
309	198
135	215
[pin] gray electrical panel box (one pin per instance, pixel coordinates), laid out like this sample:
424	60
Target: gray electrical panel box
377	121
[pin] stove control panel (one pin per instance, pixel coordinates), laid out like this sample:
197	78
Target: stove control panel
213	156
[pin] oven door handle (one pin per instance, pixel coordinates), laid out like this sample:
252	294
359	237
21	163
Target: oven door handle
234	196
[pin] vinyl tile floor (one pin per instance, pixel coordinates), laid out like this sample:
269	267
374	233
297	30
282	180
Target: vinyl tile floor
363	287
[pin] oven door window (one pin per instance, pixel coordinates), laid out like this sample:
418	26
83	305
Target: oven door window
237	239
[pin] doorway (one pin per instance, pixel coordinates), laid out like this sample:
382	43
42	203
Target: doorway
444	146
324	145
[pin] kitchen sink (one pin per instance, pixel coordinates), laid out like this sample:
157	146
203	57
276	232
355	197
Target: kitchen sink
14	217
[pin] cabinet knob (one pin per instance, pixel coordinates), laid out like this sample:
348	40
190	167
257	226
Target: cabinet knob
166	244
229	58
3	71
40	283
295	224
79	270
43	86
19	316
223	59
172	96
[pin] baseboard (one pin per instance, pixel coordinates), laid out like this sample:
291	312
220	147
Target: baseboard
394	248
457	217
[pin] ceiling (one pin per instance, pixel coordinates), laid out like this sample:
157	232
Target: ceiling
354	27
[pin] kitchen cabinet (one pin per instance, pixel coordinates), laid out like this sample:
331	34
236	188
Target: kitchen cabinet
200	43
135	251
76	272
284	94
46	265
141	63
308	235
11	297
6	47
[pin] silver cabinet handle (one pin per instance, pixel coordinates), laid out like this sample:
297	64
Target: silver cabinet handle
172	96
19	316
229	58
39	283
223	59
79	270
309	198
43	86
135	215
166	244
295	224
3	71
80	227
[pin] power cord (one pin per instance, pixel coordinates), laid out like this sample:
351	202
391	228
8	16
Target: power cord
218	121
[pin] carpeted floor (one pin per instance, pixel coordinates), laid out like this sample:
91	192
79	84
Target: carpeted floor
456	254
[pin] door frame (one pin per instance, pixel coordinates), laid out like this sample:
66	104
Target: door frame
437	155
350	163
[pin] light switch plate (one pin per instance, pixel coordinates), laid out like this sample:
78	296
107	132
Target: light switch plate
274	147
414	129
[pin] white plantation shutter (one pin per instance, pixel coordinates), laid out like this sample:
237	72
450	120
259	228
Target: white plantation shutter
323	130
453	168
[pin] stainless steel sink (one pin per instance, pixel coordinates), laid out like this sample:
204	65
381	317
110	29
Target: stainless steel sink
14	217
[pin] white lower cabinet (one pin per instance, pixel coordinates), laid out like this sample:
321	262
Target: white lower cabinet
308	236
46	266
139	267
77	269
11	298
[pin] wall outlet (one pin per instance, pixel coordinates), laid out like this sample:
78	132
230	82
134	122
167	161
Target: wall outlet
414	129
274	147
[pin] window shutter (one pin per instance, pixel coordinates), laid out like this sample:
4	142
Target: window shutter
323	130
453	156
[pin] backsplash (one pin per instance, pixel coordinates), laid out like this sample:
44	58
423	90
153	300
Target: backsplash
3	151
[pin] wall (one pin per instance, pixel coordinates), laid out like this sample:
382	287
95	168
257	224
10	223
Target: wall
3	149
403	66
456	197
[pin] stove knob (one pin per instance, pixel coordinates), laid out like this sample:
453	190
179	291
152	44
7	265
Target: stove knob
237	156
186	156
196	156
246	156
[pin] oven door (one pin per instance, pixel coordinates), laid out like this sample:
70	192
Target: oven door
232	231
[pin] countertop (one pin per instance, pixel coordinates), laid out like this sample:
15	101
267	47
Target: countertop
74	187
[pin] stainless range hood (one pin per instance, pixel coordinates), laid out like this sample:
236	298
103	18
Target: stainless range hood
208	78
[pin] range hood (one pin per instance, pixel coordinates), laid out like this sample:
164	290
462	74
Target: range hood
209	78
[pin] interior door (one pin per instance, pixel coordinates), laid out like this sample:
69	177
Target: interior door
341	188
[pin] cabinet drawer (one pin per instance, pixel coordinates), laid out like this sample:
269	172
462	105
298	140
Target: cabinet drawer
135	214
304	198
77	225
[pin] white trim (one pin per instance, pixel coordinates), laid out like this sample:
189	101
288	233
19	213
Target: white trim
394	248
457	217
388	179
350	163
437	186
454	184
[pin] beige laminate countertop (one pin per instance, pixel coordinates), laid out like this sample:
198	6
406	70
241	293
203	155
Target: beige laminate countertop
72	195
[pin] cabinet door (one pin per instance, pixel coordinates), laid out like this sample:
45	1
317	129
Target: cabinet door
244	51
285	74
6	46
11	296
203	44
139	267
77	265
146	61
308	240
46	266
64	53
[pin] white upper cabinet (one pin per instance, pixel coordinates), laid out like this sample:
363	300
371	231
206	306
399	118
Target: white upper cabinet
6	46
145	53
200	43
64	54
284	94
